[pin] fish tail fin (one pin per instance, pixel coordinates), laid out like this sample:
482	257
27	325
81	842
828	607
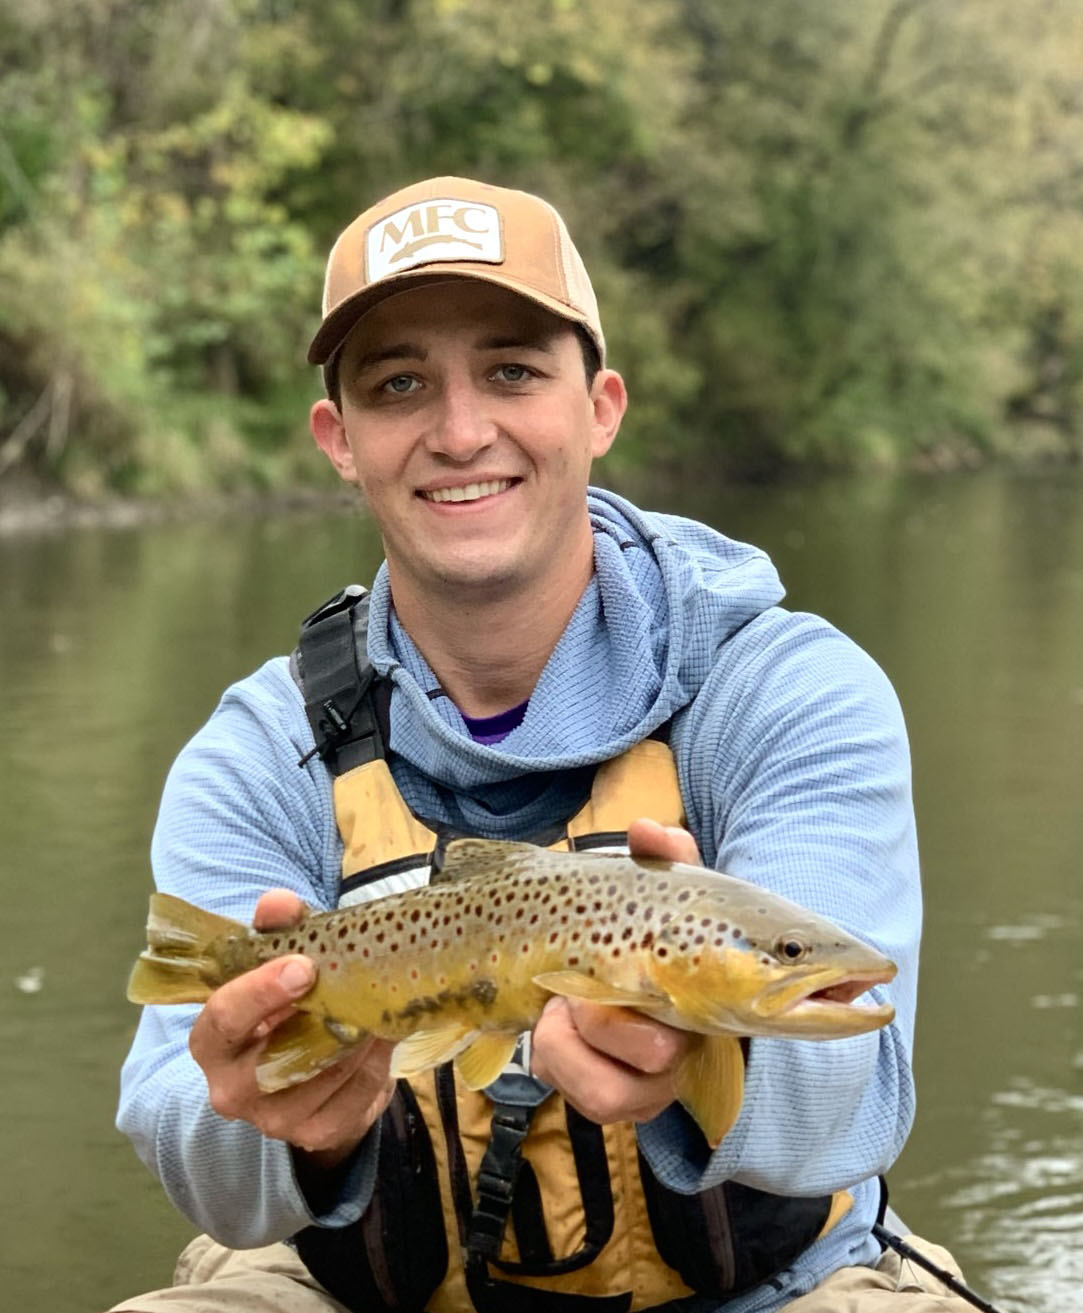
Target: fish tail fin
176	966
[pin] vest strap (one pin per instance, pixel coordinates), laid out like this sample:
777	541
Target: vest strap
497	1176
345	702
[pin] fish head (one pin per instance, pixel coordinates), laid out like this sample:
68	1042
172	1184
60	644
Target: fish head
768	967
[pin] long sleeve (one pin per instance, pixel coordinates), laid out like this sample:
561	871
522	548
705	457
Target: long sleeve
237	818
797	768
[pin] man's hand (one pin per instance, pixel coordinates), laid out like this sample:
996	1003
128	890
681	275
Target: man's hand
610	1064
324	1118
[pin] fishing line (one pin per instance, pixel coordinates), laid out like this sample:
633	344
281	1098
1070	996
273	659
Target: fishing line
913	1255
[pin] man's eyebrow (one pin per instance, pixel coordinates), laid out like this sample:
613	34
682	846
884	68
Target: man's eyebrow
542	341
398	351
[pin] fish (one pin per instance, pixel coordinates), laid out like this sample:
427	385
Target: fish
456	970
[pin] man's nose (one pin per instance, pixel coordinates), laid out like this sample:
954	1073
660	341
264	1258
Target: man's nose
462	426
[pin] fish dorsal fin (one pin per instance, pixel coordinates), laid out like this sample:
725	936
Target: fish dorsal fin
481	1062
711	1085
425	1049
466	859
574	984
302	1046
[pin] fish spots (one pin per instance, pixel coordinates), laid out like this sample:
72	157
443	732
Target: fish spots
332	965
343	931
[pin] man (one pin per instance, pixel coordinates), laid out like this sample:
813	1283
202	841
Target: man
547	650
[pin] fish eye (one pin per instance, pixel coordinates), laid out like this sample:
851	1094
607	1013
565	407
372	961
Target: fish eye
790	949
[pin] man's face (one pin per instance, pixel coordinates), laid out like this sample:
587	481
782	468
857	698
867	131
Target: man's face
467	422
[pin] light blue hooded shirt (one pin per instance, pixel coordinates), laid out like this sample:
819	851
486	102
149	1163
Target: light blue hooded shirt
794	772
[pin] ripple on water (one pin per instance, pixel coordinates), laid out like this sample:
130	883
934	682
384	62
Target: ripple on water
1038	925
1022	1204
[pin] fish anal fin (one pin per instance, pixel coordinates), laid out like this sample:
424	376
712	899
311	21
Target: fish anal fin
711	1085
575	984
425	1049
300	1047
481	1062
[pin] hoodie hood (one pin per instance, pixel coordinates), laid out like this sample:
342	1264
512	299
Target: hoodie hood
666	593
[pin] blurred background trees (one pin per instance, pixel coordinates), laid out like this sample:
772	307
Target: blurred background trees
831	235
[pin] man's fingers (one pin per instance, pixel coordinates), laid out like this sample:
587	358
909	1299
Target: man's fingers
232	1016
629	1038
352	1093
668	843
278	909
602	1088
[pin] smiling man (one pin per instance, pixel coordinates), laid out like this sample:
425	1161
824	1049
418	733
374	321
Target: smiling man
537	660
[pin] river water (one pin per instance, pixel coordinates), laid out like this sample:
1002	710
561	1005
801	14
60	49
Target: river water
114	646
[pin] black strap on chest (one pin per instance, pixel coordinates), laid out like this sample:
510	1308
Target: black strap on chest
506	1186
346	702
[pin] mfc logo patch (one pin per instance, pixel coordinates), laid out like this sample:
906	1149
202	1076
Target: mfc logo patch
433	230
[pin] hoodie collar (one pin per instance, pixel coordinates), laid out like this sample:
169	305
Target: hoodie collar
666	592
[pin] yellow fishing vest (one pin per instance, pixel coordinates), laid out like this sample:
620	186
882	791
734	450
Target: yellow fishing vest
510	1205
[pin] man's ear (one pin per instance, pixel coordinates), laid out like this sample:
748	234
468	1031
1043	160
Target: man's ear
325	422
609	398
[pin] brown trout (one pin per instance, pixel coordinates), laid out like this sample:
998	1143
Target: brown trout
458	969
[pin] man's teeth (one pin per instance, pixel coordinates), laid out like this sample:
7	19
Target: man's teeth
469	492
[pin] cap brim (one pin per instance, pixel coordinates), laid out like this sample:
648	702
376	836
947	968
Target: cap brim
338	325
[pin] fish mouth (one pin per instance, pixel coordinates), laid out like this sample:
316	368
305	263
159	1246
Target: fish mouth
824	1002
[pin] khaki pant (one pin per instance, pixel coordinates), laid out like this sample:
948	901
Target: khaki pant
211	1279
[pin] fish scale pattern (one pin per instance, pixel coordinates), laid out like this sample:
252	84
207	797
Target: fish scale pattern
794	772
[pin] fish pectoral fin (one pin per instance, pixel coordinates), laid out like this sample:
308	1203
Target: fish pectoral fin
481	1062
574	984
711	1085
425	1049
302	1046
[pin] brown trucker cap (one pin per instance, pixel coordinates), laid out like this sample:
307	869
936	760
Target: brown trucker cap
453	228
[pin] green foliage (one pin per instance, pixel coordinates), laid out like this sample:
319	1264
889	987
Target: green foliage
848	239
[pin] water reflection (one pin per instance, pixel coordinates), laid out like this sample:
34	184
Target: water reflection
1020	1202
